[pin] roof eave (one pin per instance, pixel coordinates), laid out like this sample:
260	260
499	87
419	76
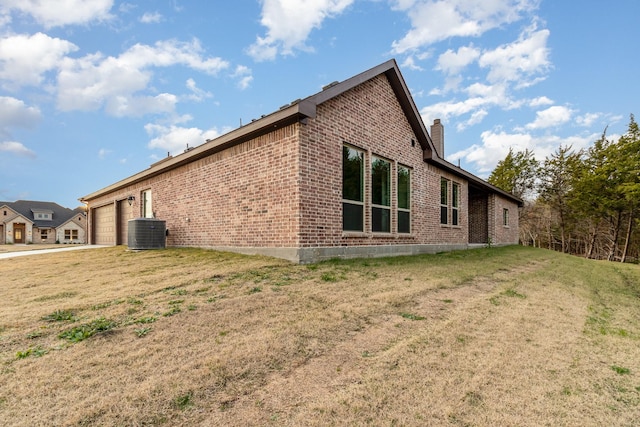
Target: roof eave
476	181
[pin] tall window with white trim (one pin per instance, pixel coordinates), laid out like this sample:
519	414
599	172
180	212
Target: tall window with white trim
444	201
147	209
404	199
352	189
380	195
455	203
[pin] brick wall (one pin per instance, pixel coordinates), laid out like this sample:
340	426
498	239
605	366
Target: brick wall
284	189
370	118
244	196
505	234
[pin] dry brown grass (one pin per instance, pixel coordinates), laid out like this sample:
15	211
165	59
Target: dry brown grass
506	336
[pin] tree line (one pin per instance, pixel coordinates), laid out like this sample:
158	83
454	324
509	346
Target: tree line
583	202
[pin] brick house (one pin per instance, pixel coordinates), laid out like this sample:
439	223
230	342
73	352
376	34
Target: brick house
350	171
27	221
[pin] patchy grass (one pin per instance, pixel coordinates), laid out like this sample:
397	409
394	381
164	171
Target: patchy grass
196	337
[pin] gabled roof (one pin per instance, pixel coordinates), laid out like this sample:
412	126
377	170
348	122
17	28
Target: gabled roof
300	111
29	209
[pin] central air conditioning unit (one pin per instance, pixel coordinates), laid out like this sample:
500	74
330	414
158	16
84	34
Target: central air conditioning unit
146	233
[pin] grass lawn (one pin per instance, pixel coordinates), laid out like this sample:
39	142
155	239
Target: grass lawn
500	336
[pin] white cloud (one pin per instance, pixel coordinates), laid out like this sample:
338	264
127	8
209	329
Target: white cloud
127	7
449	109
588	119
452	62
197	94
175	139
552	116
151	18
518	61
496	145
481	98
437	20
137	106
60	13
410	64
16	148
172	52
540	101
289	24
14	113
94	81
244	76
476	118
103	152
25	58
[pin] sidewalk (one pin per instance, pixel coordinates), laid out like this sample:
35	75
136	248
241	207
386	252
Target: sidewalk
36	251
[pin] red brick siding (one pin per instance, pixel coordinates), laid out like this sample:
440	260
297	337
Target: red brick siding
283	189
243	196
505	234
368	117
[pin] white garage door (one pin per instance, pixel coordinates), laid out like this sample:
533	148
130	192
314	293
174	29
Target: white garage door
104	225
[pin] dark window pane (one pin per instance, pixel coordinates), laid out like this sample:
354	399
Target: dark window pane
404	222
454	217
352	217
444	197
443	215
404	188
352	174
455	195
380	182
381	220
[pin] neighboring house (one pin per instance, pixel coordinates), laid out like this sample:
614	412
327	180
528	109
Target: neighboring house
350	171
26	221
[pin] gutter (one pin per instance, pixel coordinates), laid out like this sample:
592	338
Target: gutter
431	157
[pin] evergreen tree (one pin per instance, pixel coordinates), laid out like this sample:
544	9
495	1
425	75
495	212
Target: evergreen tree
516	173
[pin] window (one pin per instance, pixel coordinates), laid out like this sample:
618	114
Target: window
380	195
505	217
444	201
455	203
71	234
404	199
352	189
147	211
44	234
449	201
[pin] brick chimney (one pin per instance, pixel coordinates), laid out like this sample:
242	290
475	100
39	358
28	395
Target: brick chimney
437	136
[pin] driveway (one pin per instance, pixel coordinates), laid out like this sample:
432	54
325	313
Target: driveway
11	251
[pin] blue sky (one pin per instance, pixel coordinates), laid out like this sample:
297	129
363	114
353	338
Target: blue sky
94	91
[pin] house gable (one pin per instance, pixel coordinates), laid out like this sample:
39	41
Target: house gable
7	213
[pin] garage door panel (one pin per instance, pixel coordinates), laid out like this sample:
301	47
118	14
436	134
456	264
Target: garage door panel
104	225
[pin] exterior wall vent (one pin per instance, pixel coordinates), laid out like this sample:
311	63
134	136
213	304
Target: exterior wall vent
146	233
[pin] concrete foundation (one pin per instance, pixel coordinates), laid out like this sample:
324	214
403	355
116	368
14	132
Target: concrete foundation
316	254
